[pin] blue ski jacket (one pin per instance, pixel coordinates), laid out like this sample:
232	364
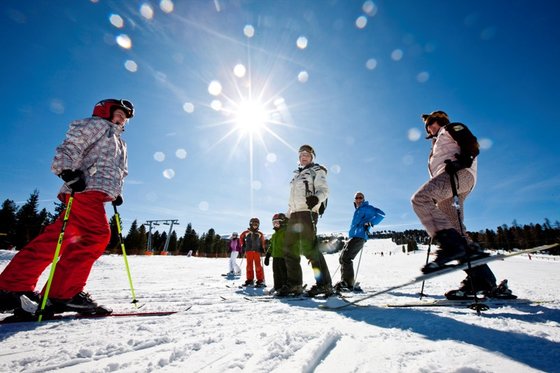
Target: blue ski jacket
365	216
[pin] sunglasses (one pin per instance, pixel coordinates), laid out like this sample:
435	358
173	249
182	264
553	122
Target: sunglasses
359	197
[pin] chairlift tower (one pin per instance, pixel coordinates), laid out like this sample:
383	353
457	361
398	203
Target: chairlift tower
169	222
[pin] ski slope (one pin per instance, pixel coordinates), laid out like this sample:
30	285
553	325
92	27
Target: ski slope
223	332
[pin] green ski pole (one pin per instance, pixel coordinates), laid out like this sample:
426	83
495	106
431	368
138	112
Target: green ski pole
119	230
56	255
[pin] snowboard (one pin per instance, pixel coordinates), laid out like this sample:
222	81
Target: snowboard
431	275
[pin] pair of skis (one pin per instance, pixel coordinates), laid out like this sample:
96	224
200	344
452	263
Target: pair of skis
429	276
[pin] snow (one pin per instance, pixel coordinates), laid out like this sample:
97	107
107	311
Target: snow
223	332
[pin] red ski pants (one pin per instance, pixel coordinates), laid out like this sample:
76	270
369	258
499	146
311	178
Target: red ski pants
85	239
254	259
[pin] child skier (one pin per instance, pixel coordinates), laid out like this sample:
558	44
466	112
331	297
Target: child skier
253	244
92	161
275	249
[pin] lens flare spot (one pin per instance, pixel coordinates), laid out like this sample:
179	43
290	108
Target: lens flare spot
131	66
215	88
408	160
124	41
303	77
168	173
188	107
369	8
166	5
249	31
485	143
423	77
371	64
56	106
216	105
271	158
203	206
116	20
159	156
256	185
361	22
414	134
239	70
397	55
147	11
301	42
336	169
297	228
181	153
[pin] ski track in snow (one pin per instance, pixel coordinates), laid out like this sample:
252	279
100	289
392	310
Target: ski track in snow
223	332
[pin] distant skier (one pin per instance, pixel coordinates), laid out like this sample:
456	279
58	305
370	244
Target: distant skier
365	217
234	248
253	244
454	155
276	251
92	161
308	194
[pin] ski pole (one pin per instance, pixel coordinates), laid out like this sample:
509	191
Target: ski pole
119	231
427	259
55	257
358	267
476	306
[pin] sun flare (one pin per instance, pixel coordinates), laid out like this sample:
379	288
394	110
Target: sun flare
251	116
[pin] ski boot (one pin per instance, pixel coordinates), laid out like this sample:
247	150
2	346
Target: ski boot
453	246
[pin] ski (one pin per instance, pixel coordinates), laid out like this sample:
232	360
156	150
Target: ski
272	298
491	302
76	316
444	271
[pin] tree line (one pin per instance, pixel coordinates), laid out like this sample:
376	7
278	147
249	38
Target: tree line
20	225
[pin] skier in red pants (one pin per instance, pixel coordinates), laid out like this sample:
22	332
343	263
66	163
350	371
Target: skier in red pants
92	160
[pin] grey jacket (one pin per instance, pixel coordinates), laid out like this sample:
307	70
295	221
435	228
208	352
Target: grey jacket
94	145
315	176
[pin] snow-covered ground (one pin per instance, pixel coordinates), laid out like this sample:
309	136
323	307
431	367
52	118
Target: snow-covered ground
223	332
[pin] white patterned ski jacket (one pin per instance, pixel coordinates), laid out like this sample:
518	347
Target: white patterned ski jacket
444	147
94	145
310	180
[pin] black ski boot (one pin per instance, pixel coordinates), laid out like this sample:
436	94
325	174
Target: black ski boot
324	290
248	283
343	287
502	291
260	284
453	246
287	291
10	300
81	303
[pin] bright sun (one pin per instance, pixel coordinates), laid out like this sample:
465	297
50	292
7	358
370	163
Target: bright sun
251	116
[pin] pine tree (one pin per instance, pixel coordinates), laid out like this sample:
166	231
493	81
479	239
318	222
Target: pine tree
8	223
29	221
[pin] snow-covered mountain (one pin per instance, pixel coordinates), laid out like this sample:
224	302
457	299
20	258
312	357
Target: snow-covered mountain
224	332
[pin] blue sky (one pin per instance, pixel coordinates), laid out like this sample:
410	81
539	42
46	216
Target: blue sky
351	78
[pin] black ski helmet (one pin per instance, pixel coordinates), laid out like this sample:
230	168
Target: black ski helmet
105	108
254	220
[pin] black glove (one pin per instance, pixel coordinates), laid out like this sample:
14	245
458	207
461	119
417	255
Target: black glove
311	201
74	180
118	201
452	167
267	259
